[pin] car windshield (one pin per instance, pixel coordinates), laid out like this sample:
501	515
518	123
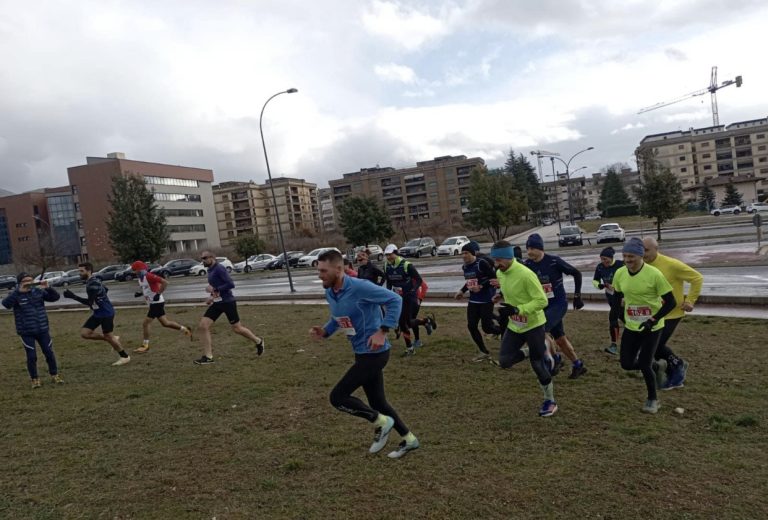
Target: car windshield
412	243
315	252
570	231
450	241
608	227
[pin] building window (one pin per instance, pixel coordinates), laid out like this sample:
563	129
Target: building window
761	148
683	170
23	239
170	181
177	197
707	166
761	159
760	136
705	145
74	190
681	147
682	157
82	241
21	225
181	212
188	228
77	206
706	156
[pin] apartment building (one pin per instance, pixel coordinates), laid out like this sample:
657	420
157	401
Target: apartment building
702	155
584	194
183	194
247	208
436	189
23	228
327	215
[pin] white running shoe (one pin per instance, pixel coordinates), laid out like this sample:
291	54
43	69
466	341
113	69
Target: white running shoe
403	449
122	361
381	436
651	406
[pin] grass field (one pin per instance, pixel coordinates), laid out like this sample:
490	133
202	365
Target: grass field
256	437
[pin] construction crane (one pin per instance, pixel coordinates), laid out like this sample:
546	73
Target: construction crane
712	89
539	154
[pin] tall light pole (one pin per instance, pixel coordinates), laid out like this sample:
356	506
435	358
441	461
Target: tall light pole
568	177
272	187
557	194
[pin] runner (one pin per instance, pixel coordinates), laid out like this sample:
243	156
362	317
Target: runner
676	273
429	322
220	301
152	287
478	274
28	304
366	270
355	307
550	270
405	280
648	298
103	312
602	280
524	303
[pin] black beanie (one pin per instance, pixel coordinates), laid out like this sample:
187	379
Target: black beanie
608	251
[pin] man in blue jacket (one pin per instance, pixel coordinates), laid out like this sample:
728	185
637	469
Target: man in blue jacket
28	305
356	312
221	301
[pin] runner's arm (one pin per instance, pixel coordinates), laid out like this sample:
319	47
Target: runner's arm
597	280
694	278
568	269
414	274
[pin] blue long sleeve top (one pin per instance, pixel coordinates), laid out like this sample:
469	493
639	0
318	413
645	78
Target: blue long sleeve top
219	279
356	312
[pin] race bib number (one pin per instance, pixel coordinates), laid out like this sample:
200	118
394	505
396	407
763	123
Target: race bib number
345	325
472	282
548	290
518	321
639	313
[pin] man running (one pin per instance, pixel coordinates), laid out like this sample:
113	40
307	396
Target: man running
524	303
355	307
221	301
152	287
604	273
550	270
478	274
366	270
676	273
648	298
28	305
404	279
103	313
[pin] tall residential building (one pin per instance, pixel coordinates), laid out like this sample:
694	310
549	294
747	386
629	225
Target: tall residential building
436	189
702	155
183	194
327	215
246	208
23	227
584	194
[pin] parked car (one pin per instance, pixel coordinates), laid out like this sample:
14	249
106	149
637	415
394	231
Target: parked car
726	210
452	246
177	267
757	207
376	251
71	277
254	263
418	247
279	261
126	275
570	236
199	269
7	281
109	272
546	221
610	233
310	259
51	276
593	216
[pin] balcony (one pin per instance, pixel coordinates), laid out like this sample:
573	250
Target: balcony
393	192
723	143
419	188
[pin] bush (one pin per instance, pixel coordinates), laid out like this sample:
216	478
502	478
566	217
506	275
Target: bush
622	210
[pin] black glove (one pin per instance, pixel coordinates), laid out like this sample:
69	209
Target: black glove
506	310
137	294
68	294
577	303
600	286
156	298
647	325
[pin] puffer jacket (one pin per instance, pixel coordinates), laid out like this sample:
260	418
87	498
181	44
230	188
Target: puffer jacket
29	309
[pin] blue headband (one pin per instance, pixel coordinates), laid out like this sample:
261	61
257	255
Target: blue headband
506	253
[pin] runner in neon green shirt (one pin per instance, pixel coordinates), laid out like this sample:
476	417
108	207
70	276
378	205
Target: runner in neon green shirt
524	302
647	298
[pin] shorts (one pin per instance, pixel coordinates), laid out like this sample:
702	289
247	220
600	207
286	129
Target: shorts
555	313
216	309
156	310
107	324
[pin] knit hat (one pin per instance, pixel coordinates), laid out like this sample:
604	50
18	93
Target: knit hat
535	241
634	246
608	251
471	247
138	265
22	275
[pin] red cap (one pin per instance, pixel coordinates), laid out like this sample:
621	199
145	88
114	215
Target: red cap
138	265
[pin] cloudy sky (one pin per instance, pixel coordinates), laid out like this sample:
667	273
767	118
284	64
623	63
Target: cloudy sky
380	81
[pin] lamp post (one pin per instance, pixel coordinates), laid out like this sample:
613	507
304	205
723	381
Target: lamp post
272	187
557	194
568	176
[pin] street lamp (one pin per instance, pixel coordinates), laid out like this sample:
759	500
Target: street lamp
272	187
568	176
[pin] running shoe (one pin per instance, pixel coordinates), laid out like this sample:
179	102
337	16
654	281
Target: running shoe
122	361
259	346
428	326
651	406
577	371
142	349
397	332
558	364
417	344
381	435
57	380
409	351
613	349
432	321
677	377
36	383
403	449
481	357
660	369
204	360
548	408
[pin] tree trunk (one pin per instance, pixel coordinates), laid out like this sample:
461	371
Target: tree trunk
658	229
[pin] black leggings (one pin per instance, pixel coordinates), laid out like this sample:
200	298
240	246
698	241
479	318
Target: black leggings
510	352
481	313
637	350
408	316
368	373
614	314
663	351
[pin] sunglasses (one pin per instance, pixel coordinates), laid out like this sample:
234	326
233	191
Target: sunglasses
204	257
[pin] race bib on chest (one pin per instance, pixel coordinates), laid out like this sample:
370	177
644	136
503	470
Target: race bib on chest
548	290
472	282
639	313
518	321
345	325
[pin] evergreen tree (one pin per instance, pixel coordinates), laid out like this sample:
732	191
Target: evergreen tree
524	175
137	227
660	193
613	192
364	221
248	245
495	202
706	198
732	195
